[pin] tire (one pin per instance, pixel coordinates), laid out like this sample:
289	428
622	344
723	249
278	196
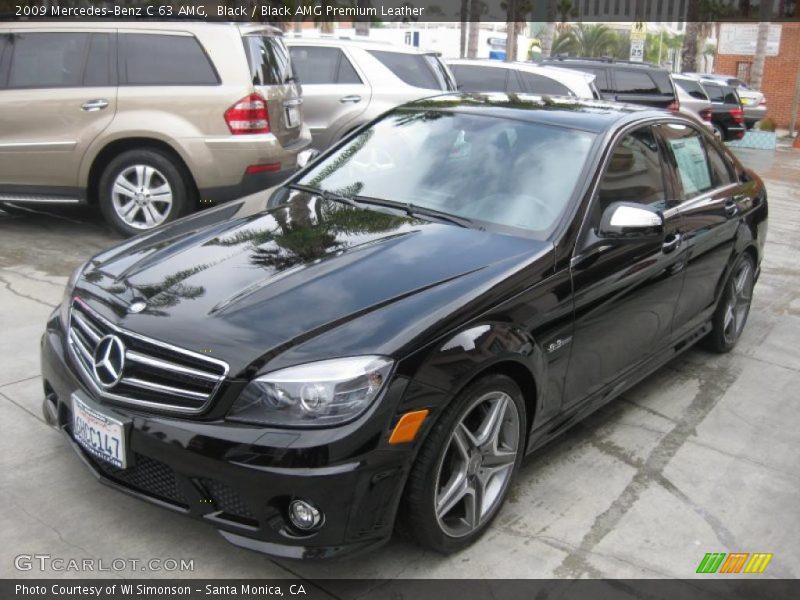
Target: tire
156	185
719	132
441	464
734	306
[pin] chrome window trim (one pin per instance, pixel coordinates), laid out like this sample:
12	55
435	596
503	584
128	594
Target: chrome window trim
163	407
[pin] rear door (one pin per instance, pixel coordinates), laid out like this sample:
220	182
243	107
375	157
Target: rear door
335	94
711	204
58	93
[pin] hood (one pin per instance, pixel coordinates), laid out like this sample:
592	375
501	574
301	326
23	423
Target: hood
240	281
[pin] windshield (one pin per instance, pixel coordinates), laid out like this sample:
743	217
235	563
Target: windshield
492	171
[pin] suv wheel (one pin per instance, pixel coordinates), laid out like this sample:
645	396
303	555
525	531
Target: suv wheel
465	467
142	189
734	307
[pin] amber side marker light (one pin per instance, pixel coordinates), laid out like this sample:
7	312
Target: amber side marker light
407	427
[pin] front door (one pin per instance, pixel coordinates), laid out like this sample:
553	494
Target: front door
625	291
57	92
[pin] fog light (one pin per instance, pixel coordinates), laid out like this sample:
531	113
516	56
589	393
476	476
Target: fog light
304	515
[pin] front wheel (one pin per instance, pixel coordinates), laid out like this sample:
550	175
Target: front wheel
143	189
468	462
734	306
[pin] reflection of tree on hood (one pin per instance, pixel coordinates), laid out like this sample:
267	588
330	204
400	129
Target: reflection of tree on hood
166	293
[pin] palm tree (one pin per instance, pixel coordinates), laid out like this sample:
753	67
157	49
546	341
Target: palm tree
464	25
476	9
564	43
595	40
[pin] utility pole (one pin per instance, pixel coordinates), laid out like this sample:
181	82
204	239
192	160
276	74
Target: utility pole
795	103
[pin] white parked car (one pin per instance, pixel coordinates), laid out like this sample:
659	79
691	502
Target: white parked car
519	77
348	82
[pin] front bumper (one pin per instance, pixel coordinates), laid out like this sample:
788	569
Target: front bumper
240	479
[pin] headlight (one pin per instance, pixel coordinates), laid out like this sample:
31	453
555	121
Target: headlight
327	392
66	300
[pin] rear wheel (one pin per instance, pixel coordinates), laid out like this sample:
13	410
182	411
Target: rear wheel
465	468
734	307
143	189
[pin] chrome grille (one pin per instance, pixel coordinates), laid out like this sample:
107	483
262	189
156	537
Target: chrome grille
154	374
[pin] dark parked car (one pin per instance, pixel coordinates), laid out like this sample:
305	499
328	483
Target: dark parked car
727	115
625	81
386	335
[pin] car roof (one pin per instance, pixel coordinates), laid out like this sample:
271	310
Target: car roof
596	116
366	44
524	66
162	25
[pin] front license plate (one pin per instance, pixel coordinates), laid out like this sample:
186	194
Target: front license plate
292	116
98	433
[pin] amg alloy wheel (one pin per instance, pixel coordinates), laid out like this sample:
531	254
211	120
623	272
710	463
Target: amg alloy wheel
464	470
734	306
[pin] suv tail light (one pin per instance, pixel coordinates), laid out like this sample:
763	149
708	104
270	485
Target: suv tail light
248	115
705	114
737	114
674	106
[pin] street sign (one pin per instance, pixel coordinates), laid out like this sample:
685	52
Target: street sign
637	51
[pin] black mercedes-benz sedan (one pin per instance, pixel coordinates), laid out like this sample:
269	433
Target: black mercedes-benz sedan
379	341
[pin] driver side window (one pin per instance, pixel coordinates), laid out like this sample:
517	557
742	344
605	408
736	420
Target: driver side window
634	172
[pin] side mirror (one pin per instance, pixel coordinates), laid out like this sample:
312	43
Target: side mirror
629	220
306	156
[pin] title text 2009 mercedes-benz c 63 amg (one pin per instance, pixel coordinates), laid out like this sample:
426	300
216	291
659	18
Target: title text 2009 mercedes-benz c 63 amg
385	336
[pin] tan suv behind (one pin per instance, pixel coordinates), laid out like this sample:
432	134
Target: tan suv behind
147	120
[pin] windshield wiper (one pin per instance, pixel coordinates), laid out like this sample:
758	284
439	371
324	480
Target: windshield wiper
411	210
324	194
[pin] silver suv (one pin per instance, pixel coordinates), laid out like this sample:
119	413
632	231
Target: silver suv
347	82
145	119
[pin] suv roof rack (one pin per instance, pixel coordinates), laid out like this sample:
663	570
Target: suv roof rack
601	59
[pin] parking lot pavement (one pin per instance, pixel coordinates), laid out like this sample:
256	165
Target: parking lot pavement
700	457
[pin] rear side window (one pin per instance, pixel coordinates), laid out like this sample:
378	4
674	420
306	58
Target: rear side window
413	69
539	84
100	64
715	93
686	152
4	55
693	88
634	82
319	65
480	79
156	59
600	81
46	60
268	60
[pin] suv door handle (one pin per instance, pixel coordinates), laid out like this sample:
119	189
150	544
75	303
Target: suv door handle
94	105
354	99
731	208
672	243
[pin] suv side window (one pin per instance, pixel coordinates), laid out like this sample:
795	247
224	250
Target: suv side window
634	172
319	65
159	59
629	81
46	60
539	84
686	152
481	79
413	69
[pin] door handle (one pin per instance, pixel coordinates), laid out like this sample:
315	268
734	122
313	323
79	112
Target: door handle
731	208
355	99
94	105
672	243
